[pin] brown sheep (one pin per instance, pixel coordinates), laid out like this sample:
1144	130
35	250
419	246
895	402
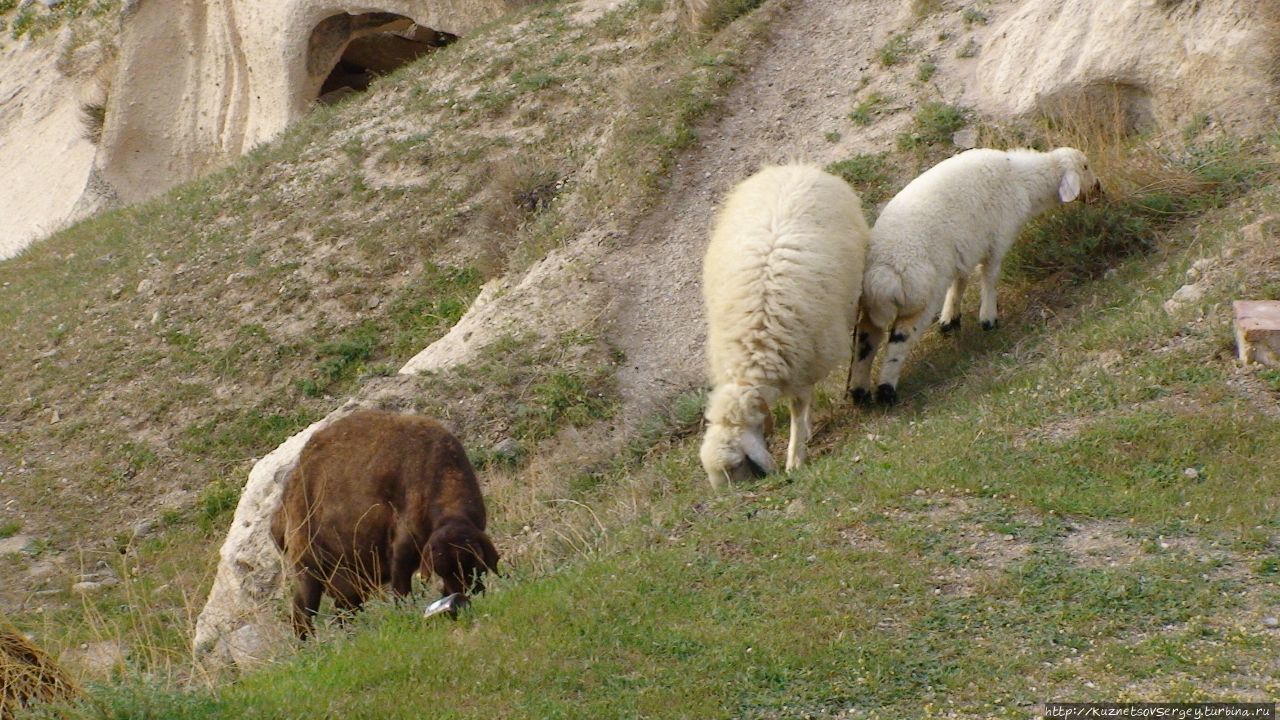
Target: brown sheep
376	496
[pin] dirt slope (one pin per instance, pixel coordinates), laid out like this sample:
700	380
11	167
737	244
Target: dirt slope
802	87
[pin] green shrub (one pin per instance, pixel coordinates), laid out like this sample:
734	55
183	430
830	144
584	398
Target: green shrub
894	49
868	174
868	109
935	123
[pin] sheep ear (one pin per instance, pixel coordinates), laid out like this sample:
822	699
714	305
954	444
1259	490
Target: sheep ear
757	454
1069	186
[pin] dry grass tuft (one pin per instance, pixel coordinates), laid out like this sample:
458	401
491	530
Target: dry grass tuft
924	8
692	14
708	16
1103	123
94	117
28	675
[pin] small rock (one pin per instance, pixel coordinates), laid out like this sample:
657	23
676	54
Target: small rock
89	587
14	545
42	570
796	508
965	138
146	287
1200	267
1185	295
143	528
507	446
1271	622
373	302
1190	473
1257	326
251	645
97	659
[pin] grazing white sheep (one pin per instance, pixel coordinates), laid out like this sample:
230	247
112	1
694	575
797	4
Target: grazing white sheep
781	280
961	214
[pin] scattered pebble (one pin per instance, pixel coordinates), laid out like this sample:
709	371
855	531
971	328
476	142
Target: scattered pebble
1271	622
14	545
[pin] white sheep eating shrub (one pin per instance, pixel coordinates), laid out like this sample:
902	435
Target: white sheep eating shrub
960	215
781	280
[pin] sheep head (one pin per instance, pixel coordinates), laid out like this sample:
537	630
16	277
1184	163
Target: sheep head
733	449
460	554
1078	179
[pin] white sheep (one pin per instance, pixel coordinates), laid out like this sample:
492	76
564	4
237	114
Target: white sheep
781	280
961	214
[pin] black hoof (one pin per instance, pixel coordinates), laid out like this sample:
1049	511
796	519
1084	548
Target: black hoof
887	395
990	324
860	396
950	327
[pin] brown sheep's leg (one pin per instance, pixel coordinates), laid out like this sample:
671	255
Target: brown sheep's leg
347	598
306	602
405	559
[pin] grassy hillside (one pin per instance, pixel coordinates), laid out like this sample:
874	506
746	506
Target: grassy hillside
152	353
1081	505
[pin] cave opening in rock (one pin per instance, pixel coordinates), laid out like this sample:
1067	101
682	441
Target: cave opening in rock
348	51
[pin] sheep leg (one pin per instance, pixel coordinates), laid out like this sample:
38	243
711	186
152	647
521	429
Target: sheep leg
306	603
987	312
405	560
801	430
905	334
347	599
950	319
870	338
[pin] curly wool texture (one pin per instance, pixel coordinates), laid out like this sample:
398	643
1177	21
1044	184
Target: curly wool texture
781	281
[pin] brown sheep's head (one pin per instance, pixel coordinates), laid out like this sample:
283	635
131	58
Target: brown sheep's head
460	553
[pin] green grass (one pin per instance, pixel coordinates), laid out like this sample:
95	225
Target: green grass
868	109
926	563
894	50
9	528
933	125
35	20
870	175
1083	241
929	561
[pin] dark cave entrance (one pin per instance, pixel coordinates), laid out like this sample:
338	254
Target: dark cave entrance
348	51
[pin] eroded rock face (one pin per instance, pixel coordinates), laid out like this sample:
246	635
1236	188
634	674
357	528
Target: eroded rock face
45	158
1168	61
202	81
244	603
